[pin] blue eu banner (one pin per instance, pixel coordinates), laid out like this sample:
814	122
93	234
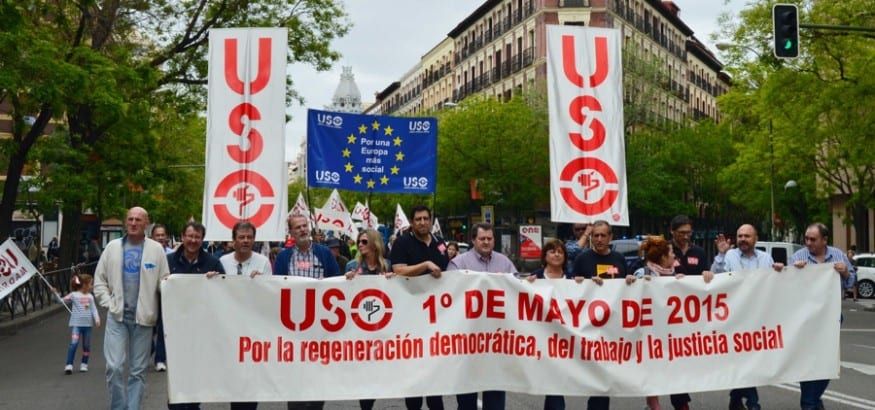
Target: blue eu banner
371	152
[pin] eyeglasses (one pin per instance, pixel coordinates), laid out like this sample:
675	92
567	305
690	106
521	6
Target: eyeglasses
810	239
683	233
363	241
239	268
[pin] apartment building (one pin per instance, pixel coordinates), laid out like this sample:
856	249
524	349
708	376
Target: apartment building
500	49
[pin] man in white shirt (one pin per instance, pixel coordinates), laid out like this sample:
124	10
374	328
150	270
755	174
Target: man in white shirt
243	261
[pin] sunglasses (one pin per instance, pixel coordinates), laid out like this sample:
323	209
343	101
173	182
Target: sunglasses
579	229
363	241
239	268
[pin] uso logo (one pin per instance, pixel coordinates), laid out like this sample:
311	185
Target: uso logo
419	126
328	177
415	182
333	121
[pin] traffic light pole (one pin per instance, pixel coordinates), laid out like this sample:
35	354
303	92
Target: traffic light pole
836	28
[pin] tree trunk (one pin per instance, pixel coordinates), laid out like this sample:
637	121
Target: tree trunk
861	227
70	235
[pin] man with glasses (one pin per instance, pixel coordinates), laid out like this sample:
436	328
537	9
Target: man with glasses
689	258
191	257
419	252
243	261
816	250
581	232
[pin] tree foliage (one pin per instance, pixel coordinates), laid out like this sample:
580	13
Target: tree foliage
816	111
111	76
503	145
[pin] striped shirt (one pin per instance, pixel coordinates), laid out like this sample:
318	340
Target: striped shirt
84	310
833	255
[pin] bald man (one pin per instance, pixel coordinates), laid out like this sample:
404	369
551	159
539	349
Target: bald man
126	282
744	256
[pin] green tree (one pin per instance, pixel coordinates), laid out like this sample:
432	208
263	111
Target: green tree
97	66
816	110
497	143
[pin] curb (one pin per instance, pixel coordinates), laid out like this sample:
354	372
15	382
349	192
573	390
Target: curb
13	326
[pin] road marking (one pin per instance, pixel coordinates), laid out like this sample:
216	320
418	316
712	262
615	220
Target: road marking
864	346
853	401
860	367
859	330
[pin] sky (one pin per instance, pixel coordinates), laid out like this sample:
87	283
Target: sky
389	36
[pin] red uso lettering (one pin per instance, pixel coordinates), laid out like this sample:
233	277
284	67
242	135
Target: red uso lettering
595	176
370	310
8	263
236	185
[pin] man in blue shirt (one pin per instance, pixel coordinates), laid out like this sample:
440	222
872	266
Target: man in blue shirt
816	250
744	257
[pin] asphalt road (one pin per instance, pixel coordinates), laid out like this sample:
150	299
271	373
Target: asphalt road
33	361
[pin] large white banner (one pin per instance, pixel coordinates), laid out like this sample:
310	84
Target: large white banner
246	173
15	268
585	101
277	338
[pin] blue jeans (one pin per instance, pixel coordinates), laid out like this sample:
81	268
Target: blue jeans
811	391
492	400
123	342
160	349
79	334
753	398
554	403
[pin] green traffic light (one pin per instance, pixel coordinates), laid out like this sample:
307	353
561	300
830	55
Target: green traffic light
788	45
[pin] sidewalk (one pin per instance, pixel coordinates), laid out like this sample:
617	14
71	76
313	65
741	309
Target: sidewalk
22	320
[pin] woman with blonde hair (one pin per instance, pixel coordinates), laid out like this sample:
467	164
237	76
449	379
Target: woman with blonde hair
369	260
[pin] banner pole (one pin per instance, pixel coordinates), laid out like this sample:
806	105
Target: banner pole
57	294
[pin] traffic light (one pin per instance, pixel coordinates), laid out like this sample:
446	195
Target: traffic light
785	19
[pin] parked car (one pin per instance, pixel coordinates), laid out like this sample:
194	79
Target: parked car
463	247
631	251
865	275
780	251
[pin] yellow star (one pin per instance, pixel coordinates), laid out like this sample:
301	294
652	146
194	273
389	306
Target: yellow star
397	141
348	167
350	139
357	179
363	129
346	152
388	130
394	170
384	180
375	125
399	156
370	183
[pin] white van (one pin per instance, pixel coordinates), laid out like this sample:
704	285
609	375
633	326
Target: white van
780	251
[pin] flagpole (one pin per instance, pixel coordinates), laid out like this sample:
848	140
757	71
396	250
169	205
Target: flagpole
55	293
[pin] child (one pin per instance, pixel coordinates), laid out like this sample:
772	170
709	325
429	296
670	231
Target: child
84	311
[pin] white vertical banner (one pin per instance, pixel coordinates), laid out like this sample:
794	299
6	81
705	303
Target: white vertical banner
585	102
246	176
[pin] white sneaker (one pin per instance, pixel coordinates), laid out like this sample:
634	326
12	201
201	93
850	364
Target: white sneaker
68	369
83	367
160	367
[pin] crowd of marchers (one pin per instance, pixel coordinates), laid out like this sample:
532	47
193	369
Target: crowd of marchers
127	279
